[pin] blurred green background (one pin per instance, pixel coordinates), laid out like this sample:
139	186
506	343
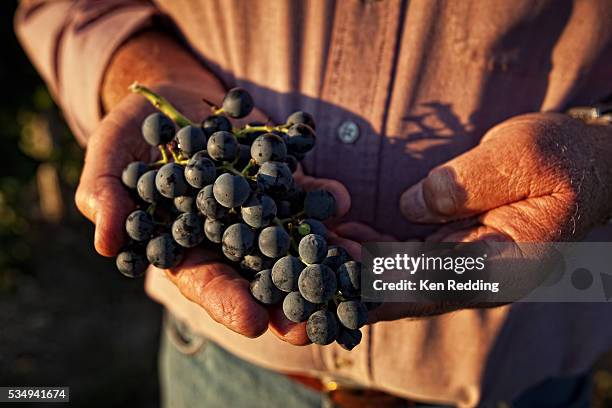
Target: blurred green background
66	316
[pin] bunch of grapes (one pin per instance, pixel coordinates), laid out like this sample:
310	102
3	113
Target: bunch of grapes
232	190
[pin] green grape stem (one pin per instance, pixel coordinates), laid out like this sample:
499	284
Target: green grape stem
251	129
161	104
164	159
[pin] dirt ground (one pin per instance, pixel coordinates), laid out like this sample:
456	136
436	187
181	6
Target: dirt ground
72	320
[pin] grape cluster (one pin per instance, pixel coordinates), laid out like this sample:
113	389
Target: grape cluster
232	189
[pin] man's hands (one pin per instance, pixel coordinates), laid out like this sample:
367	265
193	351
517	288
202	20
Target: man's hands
537	177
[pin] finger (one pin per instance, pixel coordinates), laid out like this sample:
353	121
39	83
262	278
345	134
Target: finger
478	233
285	329
221	291
444	231
492	174
337	189
359	232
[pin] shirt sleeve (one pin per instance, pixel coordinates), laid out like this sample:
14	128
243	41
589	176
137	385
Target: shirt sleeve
71	42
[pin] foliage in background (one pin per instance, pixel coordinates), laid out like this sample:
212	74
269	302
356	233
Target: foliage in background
31	134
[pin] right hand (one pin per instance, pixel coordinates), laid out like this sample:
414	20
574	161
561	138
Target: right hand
202	277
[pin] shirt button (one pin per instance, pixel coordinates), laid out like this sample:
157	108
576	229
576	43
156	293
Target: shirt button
348	132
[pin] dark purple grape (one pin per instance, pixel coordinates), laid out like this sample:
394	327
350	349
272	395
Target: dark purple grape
214	229
301	117
132	173
139	225
158	129
285	273
300	138
185	204
132	263
231	190
244	156
258	210
292	163
317	283
237	103
312	249
319	204
146	187
348	338
238	241
188	230
264	290
206	203
216	123
322	327
349	278
200	171
283	209
296	308
335	257
274	178
352	314
274	241
268	147
191	139
170	180
222	146
164	252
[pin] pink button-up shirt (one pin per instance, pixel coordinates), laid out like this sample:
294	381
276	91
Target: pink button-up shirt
422	80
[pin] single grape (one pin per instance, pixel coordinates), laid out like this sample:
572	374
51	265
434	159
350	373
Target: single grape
300	138
170	180
200	171
132	263
322	327
285	273
206	203
258	210
335	257
268	147
296	308
317	283
185	204
188	230
348	338
349	278
283	209
264	290
238	241
274	241
158	129
319	204
301	117
244	156
292	163
191	139
312	226
222	146
214	230
216	123
164	252
132	173
139	225
231	190
274	177
312	249
237	103
146	187
352	314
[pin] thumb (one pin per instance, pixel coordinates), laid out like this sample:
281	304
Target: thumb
497	172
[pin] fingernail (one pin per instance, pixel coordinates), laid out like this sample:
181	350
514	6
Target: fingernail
413	204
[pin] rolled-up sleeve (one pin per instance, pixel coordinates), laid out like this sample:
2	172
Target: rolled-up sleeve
71	44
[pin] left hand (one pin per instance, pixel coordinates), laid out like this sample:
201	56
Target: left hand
535	178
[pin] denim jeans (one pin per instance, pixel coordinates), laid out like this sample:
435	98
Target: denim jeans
196	372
